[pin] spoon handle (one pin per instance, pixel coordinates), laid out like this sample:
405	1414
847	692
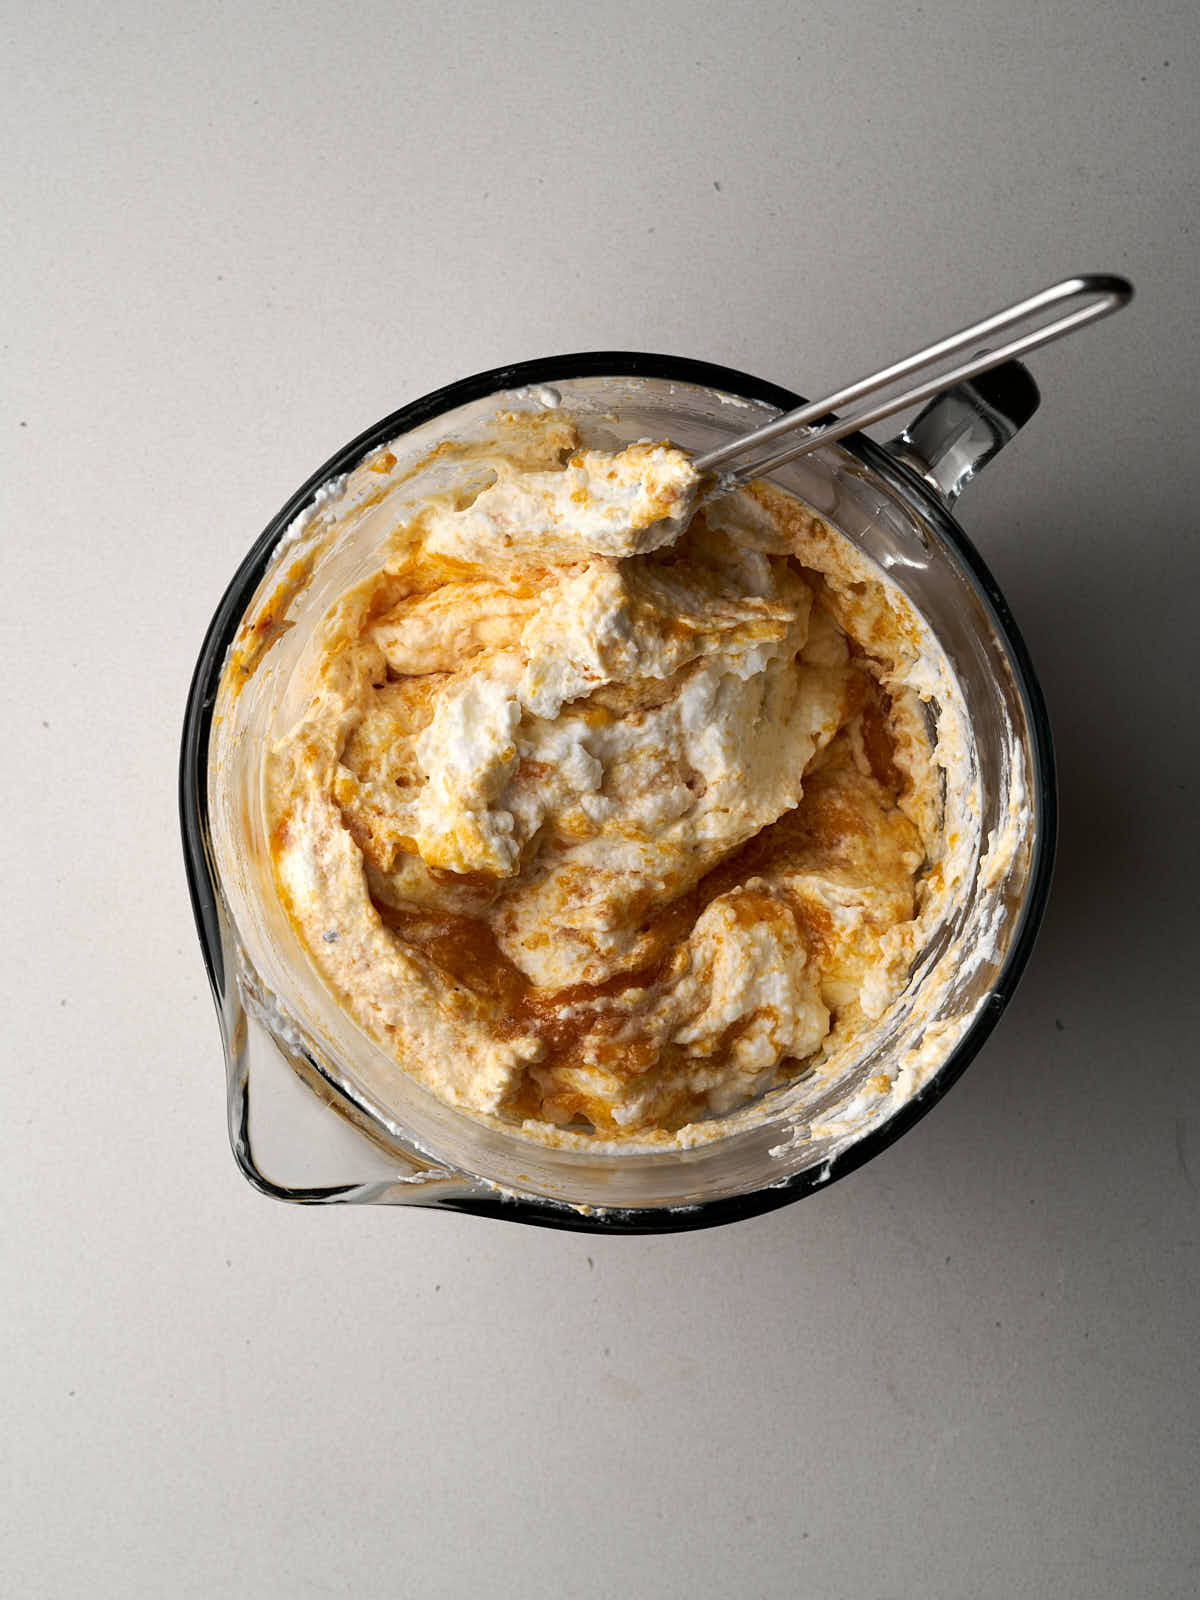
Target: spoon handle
1093	296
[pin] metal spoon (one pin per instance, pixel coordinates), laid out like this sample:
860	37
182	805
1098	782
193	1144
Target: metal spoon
1101	293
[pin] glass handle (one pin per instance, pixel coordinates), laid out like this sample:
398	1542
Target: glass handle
958	433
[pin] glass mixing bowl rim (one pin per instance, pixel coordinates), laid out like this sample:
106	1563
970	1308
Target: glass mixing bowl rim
194	750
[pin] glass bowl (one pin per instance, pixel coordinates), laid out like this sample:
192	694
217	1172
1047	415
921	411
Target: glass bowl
316	1111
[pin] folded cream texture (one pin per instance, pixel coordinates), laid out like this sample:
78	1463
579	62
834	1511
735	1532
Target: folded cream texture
608	813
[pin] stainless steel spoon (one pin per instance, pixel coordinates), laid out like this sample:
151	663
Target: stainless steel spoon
743	458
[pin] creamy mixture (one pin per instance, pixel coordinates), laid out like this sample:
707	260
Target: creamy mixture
607	812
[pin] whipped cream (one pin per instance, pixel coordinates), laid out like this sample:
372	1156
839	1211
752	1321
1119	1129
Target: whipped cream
609	505
606	812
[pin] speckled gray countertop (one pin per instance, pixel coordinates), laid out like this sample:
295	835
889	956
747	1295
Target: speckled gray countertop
235	237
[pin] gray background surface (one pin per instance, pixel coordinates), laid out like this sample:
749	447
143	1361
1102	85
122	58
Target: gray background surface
236	236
